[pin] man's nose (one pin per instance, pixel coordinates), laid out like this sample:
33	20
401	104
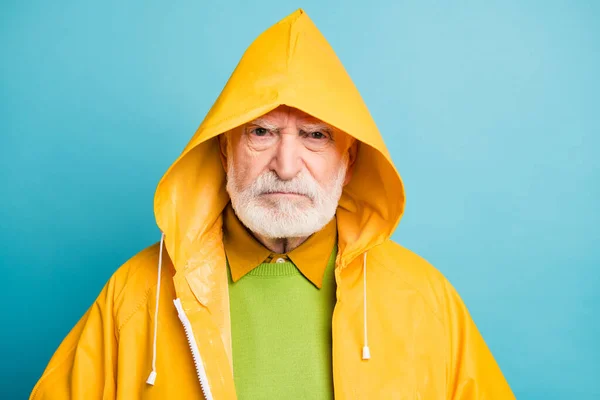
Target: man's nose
287	161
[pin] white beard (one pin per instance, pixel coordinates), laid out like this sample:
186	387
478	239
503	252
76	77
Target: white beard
286	218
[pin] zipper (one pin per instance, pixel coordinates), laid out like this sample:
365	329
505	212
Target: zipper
187	327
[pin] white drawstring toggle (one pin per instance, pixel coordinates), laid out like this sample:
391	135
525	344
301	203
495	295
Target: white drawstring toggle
366	352
152	377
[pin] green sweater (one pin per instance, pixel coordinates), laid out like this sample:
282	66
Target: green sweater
281	333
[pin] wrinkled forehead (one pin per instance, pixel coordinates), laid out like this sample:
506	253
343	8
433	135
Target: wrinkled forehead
284	115
289	117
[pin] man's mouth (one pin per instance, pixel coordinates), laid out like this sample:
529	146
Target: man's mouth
285	194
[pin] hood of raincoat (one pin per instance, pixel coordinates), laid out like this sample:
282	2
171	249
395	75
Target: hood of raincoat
302	72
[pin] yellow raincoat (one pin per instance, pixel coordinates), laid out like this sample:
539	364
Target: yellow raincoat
422	341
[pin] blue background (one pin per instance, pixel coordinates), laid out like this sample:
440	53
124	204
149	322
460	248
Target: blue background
491	113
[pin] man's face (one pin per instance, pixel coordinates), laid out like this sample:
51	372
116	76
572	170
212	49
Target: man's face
286	171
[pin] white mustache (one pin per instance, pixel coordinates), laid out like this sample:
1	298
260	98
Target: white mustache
302	184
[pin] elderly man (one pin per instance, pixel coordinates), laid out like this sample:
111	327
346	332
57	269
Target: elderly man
275	276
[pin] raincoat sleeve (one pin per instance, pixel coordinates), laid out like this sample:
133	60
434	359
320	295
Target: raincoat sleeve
84	366
473	372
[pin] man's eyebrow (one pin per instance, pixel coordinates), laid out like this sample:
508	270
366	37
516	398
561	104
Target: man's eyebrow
313	126
316	126
264	123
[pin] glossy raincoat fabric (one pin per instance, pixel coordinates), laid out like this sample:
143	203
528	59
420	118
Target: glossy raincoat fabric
422	340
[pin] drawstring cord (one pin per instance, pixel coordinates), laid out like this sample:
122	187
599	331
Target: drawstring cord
366	352
152	377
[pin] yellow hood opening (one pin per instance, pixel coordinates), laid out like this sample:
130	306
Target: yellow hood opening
290	64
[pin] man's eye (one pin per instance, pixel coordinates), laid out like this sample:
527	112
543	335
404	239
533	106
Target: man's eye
317	135
260	131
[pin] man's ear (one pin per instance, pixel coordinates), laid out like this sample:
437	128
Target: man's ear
223	138
352	155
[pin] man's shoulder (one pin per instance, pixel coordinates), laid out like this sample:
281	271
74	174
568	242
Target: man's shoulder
400	260
404	268
134	273
136	279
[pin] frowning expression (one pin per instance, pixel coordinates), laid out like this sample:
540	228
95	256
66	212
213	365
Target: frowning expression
286	171
288	141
